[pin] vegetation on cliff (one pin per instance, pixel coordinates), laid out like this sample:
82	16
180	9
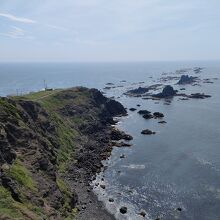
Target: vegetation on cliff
43	136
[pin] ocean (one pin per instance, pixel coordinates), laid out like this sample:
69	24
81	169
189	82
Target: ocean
178	167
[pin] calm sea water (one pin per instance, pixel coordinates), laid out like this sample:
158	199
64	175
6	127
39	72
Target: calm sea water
177	167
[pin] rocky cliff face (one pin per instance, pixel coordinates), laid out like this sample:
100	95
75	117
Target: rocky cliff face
50	141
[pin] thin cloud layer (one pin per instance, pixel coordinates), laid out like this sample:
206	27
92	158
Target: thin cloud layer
121	30
17	19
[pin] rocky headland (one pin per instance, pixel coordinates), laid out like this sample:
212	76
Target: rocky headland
52	144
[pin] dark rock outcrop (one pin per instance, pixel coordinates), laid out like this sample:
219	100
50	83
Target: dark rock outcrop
148	132
123	210
158	115
199	96
143	112
167	92
185	79
148	116
132	109
138	91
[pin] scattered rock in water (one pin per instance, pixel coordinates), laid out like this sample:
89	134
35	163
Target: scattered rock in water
179	209
132	109
199	96
102	186
185	79
148	116
198	70
158	115
183	99
111	200
138	91
207	81
142	213
123	210
107	87
168	91
162	122
138	105
148	132
143	112
109	84
183	89
122	156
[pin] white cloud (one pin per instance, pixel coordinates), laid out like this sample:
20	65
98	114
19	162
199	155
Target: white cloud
18	19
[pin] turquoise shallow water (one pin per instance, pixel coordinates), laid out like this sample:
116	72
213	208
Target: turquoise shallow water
177	167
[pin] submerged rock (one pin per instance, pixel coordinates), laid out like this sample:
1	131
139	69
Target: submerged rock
162	122
199	96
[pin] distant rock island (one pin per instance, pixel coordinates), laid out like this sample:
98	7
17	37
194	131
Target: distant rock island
185	79
168	91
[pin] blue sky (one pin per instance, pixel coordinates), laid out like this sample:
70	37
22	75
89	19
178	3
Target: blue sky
115	30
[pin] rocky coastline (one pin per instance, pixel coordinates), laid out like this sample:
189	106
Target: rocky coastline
52	147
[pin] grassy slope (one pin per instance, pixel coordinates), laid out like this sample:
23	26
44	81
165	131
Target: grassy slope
66	135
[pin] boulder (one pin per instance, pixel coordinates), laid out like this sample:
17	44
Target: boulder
132	109
123	210
111	200
142	213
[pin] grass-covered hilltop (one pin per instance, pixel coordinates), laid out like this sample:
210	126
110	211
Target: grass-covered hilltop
51	146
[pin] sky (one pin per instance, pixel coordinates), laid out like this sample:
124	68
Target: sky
109	30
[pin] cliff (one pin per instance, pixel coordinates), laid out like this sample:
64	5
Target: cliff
51	143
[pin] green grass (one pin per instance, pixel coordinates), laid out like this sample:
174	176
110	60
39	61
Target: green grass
8	205
9	108
11	209
63	187
19	173
66	136
35	96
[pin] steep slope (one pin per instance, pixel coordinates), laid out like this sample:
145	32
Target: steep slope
50	143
